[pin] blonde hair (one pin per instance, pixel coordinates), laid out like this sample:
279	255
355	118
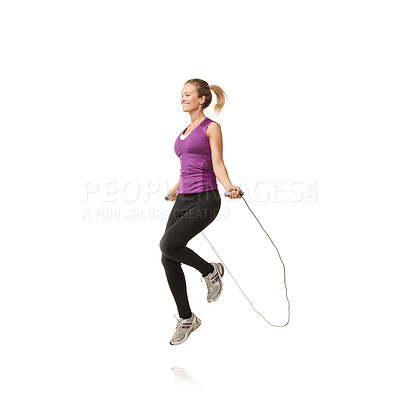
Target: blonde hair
203	89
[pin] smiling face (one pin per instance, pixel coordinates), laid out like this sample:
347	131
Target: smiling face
189	99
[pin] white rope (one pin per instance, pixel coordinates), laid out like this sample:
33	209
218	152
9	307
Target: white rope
284	273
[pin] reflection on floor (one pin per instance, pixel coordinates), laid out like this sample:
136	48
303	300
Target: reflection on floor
184	378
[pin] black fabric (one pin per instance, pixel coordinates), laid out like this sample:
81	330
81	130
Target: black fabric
191	213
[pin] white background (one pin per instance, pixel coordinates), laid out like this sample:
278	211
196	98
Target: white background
90	102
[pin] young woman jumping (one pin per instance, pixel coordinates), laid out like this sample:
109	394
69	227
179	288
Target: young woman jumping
197	201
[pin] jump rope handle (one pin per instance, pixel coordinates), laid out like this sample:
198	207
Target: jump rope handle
227	194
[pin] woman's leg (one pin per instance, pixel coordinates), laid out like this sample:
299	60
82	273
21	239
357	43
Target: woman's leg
173	269
202	209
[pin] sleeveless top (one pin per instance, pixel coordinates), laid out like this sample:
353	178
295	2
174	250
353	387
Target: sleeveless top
197	174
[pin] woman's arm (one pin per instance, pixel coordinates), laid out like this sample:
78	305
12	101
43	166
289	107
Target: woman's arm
214	131
175	188
222	175
173	193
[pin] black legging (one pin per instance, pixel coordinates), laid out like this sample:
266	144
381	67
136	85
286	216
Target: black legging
190	214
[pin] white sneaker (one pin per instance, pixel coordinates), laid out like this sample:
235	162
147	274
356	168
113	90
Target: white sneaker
184	328
214	282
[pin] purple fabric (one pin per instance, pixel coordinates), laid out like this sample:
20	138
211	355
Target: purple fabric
197	174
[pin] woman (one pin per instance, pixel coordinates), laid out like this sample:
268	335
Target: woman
197	201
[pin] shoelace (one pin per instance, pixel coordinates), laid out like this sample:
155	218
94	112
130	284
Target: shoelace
209	282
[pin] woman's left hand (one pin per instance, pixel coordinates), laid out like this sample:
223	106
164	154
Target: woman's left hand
234	191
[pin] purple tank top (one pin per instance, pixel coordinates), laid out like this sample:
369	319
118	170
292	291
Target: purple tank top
197	174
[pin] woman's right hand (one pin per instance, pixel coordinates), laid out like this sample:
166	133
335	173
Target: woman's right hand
172	195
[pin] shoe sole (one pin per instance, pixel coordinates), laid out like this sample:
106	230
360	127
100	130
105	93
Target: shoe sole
187	336
222	269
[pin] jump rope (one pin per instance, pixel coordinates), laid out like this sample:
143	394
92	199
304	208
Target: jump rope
227	194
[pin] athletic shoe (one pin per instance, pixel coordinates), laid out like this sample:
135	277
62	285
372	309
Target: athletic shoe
214	282
184	328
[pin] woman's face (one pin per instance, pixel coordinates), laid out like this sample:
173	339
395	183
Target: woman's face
189	99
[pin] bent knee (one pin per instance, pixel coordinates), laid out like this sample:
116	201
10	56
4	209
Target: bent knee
169	245
165	246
